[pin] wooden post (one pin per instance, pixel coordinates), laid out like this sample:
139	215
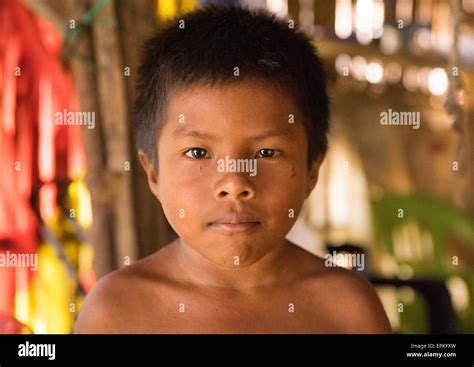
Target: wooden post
114	119
85	84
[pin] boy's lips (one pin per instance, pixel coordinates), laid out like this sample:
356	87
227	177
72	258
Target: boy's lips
235	222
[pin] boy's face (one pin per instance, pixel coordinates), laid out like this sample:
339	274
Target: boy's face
232	218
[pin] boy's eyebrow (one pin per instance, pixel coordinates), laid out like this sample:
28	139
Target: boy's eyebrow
280	133
182	132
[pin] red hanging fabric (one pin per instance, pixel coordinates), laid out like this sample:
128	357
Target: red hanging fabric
34	151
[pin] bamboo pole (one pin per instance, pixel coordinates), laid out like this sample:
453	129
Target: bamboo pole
114	119
85	83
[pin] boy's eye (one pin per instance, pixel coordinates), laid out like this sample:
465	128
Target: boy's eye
197	153
267	153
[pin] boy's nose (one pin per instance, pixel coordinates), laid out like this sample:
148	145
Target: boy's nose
235	186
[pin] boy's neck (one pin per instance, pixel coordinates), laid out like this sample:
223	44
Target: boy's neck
265	272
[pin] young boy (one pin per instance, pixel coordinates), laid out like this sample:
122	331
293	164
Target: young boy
232	115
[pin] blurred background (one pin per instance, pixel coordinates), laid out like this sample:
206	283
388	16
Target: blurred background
398	197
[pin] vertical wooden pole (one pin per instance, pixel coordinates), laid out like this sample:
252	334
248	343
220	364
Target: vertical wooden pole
85	83
114	118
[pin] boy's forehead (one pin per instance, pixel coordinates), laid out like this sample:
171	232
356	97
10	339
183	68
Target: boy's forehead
247	103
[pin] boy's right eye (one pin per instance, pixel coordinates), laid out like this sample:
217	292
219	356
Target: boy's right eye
197	153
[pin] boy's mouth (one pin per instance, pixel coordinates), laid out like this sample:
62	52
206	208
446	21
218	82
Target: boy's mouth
235	222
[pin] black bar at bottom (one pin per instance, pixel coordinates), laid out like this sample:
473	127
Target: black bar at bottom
317	350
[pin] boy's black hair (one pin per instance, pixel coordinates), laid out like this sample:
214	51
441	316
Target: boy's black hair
206	45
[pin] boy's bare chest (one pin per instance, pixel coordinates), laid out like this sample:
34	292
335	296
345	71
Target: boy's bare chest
201	313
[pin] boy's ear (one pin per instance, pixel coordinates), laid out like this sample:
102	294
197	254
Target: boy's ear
151	172
314	173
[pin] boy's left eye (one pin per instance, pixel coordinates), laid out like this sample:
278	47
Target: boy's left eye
267	153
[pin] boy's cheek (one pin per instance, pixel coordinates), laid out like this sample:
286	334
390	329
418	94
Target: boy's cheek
181	207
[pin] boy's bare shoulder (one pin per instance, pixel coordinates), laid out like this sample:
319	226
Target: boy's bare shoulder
114	297
346	296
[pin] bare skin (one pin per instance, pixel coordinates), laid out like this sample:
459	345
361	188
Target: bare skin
178	299
232	270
